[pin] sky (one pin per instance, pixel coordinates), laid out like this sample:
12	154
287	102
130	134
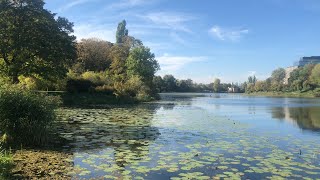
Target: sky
205	39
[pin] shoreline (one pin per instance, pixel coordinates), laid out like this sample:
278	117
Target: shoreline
283	94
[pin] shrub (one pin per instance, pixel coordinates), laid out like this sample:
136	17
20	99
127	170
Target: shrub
98	79
25	117
36	83
79	85
104	89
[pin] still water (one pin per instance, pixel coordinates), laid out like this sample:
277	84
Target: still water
196	136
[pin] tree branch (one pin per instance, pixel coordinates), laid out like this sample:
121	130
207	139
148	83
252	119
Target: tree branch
5	58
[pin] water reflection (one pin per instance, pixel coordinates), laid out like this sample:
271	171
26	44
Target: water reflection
307	118
200	138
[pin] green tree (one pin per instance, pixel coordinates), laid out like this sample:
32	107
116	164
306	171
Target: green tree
300	78
252	79
216	85
278	75
315	75
93	55
122	32
158	83
33	40
117	69
170	83
277	79
142	62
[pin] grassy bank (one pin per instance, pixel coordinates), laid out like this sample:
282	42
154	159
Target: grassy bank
308	94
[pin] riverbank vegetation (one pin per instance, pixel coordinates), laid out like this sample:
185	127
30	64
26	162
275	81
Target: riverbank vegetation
169	83
302	82
39	52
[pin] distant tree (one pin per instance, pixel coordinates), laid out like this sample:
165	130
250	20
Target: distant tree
93	55
252	79
170	83
300	78
142	62
186	85
260	86
131	42
158	83
122	32
33	41
278	76
216	85
315	75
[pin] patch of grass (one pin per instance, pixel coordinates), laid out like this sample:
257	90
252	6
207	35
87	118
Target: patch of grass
6	164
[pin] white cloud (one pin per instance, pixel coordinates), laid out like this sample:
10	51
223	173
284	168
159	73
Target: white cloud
228	34
259	76
72	4
174	21
252	73
128	3
92	31
170	64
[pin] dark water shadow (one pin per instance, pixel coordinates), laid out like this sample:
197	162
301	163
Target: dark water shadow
307	118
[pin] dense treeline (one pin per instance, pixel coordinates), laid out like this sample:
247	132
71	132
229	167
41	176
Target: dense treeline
169	83
39	53
302	79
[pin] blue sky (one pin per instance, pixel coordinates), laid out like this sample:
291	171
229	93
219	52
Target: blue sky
206	39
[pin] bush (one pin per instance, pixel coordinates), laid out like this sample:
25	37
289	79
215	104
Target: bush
40	84
98	79
104	89
25	117
79	85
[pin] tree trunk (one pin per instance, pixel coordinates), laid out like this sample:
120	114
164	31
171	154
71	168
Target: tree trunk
14	79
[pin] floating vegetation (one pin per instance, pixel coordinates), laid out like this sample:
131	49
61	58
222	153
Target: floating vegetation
180	141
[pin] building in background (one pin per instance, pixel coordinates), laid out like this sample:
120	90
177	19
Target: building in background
308	60
302	62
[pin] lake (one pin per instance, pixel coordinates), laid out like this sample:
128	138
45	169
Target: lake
196	136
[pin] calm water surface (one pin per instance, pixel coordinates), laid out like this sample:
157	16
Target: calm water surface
197	136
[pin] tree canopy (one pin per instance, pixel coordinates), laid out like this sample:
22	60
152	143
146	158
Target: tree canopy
142	62
93	55
33	41
122	32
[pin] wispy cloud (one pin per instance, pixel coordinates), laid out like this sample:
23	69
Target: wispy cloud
228	34
259	76
170	64
173	21
252	73
122	4
73	3
103	32
177	38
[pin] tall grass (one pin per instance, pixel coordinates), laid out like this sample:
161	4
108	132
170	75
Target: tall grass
25	117
6	163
